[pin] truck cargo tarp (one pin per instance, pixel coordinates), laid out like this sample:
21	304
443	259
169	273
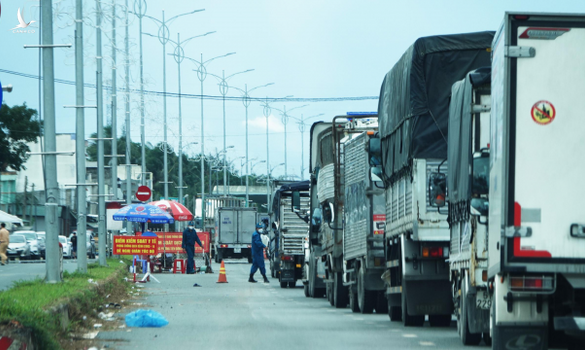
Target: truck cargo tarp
460	121
295	186
413	109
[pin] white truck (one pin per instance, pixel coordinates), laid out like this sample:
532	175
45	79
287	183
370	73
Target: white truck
536	239
364	221
233	233
467	188
413	119
289	232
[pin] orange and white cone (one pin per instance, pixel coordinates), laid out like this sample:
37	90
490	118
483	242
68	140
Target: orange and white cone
222	277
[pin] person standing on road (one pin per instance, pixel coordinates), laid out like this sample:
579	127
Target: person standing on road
4	241
189	239
74	245
258	255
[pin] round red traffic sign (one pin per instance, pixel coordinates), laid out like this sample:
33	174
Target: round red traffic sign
143	193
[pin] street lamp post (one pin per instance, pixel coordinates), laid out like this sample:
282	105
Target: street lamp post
202	75
246	101
164	37
223	90
302	127
140	12
258	162
285	117
179	56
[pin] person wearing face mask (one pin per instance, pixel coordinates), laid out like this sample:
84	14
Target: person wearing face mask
189	239
258	255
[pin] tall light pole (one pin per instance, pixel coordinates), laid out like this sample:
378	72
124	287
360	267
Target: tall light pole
114	108
202	75
258	162
223	90
302	127
140	11
246	100
285	117
179	56
164	37
100	140
127	111
267	111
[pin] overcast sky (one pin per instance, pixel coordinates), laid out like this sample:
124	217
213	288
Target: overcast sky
308	49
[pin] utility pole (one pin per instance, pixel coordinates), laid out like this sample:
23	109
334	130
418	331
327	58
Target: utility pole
140	14
100	140
51	185
114	108
128	138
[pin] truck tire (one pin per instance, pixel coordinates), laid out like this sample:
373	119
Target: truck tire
381	303
487	339
366	299
283	284
329	292
292	284
314	292
467	338
219	256
410	320
394	312
306	290
353	302
250	259
340	293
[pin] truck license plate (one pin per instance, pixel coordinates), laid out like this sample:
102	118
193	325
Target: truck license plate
483	300
237	250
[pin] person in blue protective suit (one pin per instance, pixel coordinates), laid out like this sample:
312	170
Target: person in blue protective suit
258	255
189	239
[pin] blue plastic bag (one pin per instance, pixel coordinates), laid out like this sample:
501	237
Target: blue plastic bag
145	318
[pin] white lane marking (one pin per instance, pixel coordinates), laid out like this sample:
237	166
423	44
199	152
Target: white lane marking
426	343
410	335
358	319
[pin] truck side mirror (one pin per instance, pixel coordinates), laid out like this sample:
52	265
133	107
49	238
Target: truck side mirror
329	213
481	173
376	174
296	201
479	207
437	189
374	151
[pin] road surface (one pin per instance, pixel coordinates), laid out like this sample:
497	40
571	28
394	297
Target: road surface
242	315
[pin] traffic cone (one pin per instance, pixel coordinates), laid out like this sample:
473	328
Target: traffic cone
222	278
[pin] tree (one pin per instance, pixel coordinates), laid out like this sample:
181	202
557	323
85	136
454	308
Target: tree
17	127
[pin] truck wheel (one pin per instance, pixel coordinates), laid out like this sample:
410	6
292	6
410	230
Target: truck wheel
250	260
443	321
340	293
306	290
329	292
219	256
353	302
467	338
283	284
292	284
394	312
487	339
409	320
271	268
381	304
366	299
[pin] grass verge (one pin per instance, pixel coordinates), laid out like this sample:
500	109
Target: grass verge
27	302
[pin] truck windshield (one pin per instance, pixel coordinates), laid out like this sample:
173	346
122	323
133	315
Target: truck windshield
480	176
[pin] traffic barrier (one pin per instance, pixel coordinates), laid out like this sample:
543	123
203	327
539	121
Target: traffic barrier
222	277
181	268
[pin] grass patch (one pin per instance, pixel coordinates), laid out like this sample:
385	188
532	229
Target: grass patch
27	301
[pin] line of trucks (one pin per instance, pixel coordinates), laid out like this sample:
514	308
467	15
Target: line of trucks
462	196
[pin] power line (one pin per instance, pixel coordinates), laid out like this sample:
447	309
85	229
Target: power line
206	97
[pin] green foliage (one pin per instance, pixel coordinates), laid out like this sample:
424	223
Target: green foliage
27	301
17	127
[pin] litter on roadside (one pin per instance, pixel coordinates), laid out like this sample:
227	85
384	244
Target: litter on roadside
89	335
145	318
107	317
97	325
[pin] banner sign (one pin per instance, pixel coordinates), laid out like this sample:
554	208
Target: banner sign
131	245
170	242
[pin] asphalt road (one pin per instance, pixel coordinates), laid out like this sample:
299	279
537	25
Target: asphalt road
16	271
242	315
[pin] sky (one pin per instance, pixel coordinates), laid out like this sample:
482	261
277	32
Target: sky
335	52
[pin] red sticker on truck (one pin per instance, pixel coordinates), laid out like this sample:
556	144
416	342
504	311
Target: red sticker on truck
543	33
379	222
543	112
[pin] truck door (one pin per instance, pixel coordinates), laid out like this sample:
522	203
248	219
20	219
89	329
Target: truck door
547	147
228	222
247	226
